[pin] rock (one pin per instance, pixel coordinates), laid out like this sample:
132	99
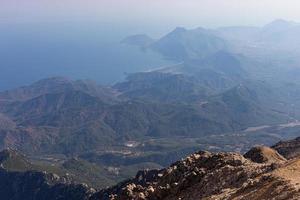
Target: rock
289	149
262	154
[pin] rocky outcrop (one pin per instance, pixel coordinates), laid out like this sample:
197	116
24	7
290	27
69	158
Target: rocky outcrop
289	149
262	173
262	154
205	175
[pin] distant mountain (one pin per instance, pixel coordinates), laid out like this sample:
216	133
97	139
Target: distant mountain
219	71
72	121
190	81
55	85
66	119
228	63
241	107
181	44
278	38
225	62
219	84
250	35
282	34
278	26
55	107
162	87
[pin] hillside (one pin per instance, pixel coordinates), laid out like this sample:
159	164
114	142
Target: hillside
70	170
192	80
37	185
181	44
163	87
53	116
56	85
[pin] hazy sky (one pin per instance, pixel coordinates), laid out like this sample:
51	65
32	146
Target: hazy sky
168	13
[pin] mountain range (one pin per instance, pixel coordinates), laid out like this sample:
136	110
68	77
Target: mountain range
58	115
277	37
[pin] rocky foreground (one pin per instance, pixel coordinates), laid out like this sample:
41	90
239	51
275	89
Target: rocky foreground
262	173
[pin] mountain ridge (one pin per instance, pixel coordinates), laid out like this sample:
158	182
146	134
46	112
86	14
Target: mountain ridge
205	175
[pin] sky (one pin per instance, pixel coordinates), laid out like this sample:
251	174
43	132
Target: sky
181	12
153	17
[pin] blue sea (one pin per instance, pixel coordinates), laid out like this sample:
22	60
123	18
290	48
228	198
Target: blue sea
29	52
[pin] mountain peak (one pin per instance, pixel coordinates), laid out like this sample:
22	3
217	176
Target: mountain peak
179	30
182	44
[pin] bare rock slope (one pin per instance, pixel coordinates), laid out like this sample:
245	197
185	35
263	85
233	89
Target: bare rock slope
260	174
289	149
264	174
